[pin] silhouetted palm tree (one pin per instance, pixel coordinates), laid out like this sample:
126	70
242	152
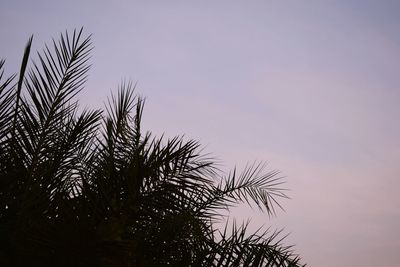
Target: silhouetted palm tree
88	188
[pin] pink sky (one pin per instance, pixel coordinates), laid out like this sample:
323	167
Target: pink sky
311	87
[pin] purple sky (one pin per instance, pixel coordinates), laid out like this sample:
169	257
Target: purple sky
312	87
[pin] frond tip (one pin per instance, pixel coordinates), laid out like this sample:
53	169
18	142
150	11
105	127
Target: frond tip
253	187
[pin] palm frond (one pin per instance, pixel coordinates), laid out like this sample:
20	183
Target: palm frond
260	248
252	186
6	102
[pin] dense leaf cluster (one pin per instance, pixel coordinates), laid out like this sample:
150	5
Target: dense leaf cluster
87	188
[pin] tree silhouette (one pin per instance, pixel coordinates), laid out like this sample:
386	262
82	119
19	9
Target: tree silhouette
88	188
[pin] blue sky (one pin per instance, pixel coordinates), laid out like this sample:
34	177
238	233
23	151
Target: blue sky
311	87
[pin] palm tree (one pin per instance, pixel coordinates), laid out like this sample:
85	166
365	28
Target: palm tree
89	188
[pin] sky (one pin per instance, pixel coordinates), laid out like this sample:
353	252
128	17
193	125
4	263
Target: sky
310	87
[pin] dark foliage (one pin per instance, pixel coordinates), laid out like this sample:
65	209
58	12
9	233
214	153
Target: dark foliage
88	188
